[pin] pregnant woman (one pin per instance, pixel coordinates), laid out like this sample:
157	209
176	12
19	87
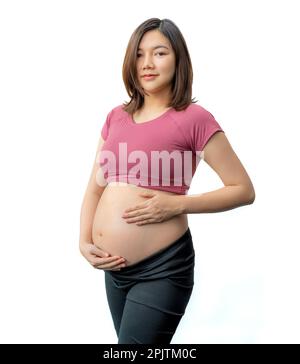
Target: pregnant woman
133	222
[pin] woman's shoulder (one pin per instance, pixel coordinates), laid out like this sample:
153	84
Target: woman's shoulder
194	113
116	109
195	109
116	112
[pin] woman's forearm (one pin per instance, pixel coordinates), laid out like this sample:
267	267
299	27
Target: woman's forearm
87	213
222	199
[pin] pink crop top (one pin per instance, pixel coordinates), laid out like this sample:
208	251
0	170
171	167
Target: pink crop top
160	154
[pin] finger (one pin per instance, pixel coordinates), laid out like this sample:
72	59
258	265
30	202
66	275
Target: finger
147	221
116	267
95	261
139	218
136	213
119	267
137	207
99	252
117	264
112	264
140	212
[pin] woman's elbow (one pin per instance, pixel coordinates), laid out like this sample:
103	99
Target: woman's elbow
251	196
247	194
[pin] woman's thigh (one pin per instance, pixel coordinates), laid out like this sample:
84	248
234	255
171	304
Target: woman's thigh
116	298
152	311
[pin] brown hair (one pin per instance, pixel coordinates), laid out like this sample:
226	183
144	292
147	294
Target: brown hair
183	78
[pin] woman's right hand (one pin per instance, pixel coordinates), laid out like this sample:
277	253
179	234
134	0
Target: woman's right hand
99	258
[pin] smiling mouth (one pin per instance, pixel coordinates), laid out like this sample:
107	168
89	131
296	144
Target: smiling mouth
149	77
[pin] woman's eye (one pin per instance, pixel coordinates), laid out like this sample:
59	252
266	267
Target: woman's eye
161	53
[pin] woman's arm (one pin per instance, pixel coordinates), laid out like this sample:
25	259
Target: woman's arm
238	189
221	158
97	257
91	198
87	214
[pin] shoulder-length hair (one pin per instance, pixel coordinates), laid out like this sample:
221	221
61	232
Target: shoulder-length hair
183	78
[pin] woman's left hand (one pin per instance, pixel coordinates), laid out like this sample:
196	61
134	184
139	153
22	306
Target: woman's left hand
156	208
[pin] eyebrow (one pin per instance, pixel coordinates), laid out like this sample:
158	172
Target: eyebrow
155	47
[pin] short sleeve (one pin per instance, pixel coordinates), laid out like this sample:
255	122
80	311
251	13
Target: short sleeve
204	127
105	127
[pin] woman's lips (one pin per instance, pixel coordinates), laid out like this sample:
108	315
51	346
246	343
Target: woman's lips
148	78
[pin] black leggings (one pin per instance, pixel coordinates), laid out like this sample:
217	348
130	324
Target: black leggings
148	299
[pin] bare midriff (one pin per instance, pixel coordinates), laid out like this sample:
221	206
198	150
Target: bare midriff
114	235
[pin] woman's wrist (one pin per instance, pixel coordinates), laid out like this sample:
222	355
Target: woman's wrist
179	207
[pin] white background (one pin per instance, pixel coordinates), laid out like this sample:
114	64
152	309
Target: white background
60	74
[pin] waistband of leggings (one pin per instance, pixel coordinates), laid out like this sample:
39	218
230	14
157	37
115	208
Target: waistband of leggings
187	236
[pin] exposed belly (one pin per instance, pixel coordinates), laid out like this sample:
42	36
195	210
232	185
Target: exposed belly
114	235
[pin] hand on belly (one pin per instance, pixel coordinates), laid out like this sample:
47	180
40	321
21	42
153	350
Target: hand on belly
113	234
155	208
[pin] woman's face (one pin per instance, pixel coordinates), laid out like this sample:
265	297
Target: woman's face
159	61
